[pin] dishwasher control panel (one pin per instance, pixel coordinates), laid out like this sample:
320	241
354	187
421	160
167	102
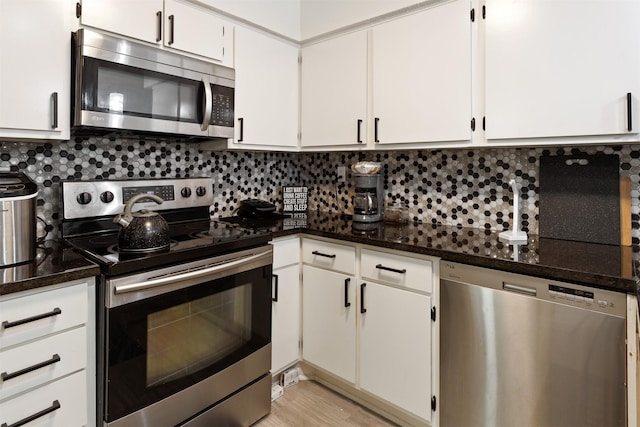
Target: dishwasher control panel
575	295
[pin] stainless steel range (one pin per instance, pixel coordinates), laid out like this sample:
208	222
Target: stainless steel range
184	332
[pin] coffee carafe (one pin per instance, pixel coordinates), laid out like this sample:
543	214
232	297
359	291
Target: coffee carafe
368	201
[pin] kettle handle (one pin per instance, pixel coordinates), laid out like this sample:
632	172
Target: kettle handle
124	218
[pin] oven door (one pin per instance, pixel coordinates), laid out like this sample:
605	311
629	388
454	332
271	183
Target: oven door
171	333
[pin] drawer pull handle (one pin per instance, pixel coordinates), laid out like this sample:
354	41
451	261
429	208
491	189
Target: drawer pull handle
54	359
54	406
395	270
362	309
274	298
324	255
346	292
6	324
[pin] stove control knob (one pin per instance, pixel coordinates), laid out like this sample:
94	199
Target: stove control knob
201	191
106	197
84	198
186	192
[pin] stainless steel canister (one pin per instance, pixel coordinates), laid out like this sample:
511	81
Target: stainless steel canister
17	218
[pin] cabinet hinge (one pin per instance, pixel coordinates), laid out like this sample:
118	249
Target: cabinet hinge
223	52
300	344
223	31
78	10
473	15
433	314
473	124
433	403
484	123
299	59
484	12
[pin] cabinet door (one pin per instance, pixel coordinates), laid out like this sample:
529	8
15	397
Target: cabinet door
334	91
35	51
285	326
421	71
137	19
329	321
65	401
196	30
266	90
395	347
561	68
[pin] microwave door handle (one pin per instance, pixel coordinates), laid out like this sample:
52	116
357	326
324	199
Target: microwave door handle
208	105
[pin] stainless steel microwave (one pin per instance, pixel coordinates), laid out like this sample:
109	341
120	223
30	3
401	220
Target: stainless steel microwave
120	85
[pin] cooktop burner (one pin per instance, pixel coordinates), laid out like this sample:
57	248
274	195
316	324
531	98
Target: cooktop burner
189	241
256	223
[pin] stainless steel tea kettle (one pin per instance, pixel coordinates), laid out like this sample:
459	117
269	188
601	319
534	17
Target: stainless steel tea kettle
142	231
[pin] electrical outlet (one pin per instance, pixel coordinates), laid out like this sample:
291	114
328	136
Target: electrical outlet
289	378
342	173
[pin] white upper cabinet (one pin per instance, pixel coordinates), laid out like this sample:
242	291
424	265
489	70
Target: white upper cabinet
334	92
421	76
141	19
176	24
405	81
195	30
35	52
560	68
266	103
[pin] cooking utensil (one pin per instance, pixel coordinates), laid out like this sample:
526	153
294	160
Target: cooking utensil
142	231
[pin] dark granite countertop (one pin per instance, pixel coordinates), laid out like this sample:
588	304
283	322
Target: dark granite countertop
601	266
55	263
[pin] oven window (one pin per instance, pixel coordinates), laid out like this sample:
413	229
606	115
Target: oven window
157	346
189	337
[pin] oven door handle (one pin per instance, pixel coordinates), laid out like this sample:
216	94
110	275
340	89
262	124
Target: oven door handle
134	287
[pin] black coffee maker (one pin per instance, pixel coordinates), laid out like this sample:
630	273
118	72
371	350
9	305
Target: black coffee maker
368	203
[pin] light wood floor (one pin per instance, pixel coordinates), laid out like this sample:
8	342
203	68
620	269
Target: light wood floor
310	404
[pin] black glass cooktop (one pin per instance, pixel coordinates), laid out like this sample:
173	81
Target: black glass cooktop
189	241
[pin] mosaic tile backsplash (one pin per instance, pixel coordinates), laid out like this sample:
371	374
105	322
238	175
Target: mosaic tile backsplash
458	187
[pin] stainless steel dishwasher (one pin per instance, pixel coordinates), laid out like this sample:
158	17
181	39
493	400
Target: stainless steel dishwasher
524	351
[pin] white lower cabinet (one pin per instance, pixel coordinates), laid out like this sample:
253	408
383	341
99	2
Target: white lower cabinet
395	347
61	403
285	304
329	321
47	356
367	319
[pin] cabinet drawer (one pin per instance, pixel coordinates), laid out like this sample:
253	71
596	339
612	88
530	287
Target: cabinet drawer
69	393
383	267
286	252
42	314
329	255
61	354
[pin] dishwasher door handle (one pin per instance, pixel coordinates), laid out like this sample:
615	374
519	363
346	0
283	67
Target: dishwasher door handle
532	292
